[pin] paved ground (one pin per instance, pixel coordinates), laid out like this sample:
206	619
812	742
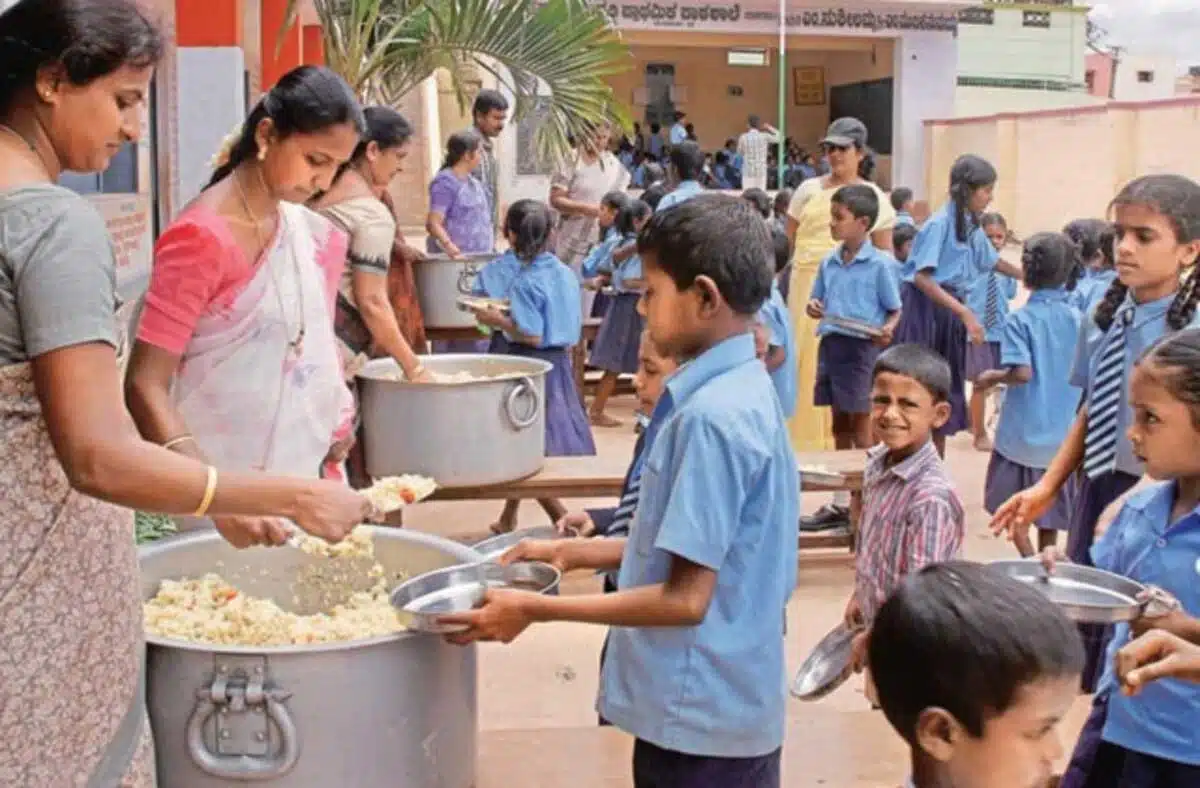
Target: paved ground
536	695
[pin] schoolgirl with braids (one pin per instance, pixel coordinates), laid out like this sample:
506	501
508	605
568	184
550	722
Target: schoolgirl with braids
236	350
1094	238
1156	223
949	253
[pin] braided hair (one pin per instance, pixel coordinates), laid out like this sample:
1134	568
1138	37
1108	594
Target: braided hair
968	174
1050	261
1177	199
1178	355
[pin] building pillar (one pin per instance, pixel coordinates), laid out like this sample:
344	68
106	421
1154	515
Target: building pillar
212	84
280	53
314	45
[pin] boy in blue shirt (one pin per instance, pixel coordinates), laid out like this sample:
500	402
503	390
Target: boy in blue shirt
695	666
687	167
975	671
857	299
773	334
902	203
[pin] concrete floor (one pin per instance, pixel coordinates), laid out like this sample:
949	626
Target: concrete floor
537	694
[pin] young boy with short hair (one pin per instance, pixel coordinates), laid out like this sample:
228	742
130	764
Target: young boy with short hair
911	516
975	671
695	665
902	203
856	297
773	334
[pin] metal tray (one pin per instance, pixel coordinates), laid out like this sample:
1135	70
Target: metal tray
1086	594
471	303
420	601
495	546
821	476
857	326
827	667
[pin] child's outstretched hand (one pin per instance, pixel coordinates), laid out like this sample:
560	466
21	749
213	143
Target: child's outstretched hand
853	617
575	524
858	651
1021	511
1156	655
1051	557
815	309
502	617
975	332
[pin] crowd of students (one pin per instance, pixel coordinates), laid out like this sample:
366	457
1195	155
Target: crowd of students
1101	376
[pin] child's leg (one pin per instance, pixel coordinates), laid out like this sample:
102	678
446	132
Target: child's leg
861	428
608	384
553	508
1047	537
508	518
978	414
843	429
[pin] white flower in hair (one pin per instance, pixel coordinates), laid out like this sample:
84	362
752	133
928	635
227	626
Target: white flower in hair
223	153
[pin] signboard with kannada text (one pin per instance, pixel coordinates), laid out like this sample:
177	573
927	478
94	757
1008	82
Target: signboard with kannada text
740	18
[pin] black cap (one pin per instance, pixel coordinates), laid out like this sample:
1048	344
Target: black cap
845	132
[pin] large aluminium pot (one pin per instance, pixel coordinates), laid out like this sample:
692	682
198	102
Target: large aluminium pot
390	712
473	433
440	281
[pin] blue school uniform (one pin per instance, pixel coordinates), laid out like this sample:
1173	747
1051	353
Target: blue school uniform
617	341
685	191
775	316
1037	415
545	303
904	217
986	356
1143	544
864	289
953	264
599	257
495	279
718	489
1091	289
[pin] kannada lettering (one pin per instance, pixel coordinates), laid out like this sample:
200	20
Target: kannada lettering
874	21
673	15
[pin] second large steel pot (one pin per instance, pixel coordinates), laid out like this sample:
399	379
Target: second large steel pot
391	712
481	432
440	281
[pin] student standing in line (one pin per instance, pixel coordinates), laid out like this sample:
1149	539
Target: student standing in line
988	299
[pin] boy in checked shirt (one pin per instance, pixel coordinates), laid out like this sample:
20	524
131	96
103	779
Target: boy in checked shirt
911	517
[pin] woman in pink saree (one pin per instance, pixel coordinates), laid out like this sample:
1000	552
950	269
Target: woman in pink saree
236	359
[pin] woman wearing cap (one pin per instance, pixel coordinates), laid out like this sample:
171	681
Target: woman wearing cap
845	147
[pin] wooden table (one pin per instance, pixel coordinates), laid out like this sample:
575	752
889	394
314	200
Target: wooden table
599	477
591	327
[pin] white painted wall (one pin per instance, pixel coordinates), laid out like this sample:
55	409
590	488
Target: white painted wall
1132	69
212	102
1007	48
925	86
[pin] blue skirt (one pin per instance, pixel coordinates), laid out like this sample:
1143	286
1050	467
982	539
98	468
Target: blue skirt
844	368
600	303
1100	764
616	346
1006	478
922	322
568	433
1092	497
655	767
981	358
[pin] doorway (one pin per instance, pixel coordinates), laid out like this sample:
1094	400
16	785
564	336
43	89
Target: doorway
660	84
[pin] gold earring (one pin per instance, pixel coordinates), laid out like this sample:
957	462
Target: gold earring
262	153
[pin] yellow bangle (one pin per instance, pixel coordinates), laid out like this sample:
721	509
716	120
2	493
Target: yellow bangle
187	436
210	492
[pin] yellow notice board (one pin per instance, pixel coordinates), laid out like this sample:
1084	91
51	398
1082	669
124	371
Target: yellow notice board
808	86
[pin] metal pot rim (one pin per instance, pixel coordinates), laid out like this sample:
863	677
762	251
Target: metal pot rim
178	541
376	370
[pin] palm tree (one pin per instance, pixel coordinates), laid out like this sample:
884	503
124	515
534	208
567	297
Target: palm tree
385	48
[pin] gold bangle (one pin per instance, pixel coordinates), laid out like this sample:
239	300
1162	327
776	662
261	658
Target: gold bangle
210	492
184	438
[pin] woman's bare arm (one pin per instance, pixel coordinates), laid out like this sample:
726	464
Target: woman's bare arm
148	398
371	296
568	207
435	224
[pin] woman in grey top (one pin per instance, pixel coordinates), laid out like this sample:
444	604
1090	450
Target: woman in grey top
73	86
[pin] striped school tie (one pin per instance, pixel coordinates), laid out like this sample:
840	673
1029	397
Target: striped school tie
1104	401
991	309
623	516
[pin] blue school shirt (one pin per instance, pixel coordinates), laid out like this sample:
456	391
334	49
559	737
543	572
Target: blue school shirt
495	279
954	264
1144	545
977	301
1149	323
630	269
1091	289
1037	415
682	193
775	316
865	289
904	217
599	257
719	489
546	303
678	134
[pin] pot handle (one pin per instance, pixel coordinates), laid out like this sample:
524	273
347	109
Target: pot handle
523	388
244	768
467	273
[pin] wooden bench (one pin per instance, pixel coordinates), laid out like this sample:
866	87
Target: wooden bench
603	477
591	327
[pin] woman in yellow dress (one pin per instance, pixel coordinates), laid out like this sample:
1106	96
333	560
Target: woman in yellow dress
845	146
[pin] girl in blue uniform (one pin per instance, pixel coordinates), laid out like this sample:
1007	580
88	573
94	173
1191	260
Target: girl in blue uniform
1094	237
598	262
1157	227
1151	740
544	322
949	253
987	298
616	348
1034	361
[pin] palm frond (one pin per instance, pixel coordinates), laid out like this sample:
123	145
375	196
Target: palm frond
552	55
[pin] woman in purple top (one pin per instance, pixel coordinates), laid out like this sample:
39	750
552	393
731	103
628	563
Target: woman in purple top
460	220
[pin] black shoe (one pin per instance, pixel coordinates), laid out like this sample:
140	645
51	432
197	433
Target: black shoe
826	518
